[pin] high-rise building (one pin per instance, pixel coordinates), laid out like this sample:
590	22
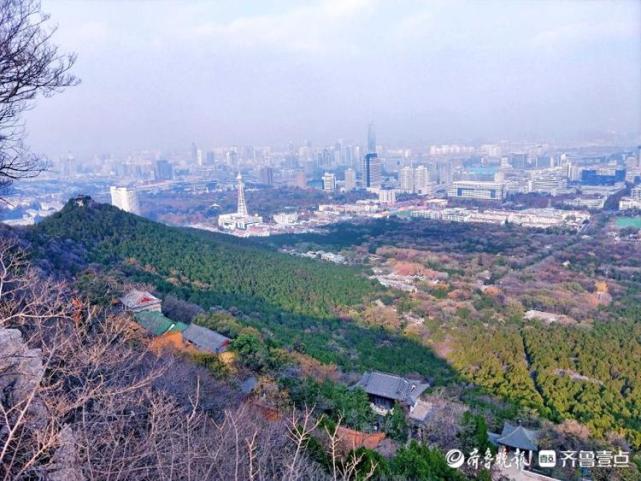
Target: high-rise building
329	182
242	205
266	175
199	157
356	157
163	170
299	179
421	179
210	157
125	198
371	138
350	180
194	153
371	171
347	155
406	179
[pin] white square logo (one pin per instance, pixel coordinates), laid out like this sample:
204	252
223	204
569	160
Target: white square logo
547	458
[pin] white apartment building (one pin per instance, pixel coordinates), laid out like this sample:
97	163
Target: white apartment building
406	180
632	202
125	198
386	196
477	190
329	182
350	180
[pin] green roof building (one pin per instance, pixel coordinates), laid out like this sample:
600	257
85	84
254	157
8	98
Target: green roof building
157	324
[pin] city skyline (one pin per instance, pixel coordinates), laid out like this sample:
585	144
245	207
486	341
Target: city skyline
282	71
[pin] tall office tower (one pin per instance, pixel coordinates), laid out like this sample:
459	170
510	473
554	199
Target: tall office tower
406	179
371	171
519	160
371	139
299	179
194	153
199	157
350	179
210	158
242	205
266	175
421	179
125	198
337	160
347	155
163	170
329	182
356	157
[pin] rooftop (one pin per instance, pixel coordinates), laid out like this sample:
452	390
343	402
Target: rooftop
205	339
136	299
391	386
516	437
157	324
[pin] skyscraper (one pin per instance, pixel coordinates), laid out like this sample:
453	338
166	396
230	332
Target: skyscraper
242	205
371	139
163	170
266	175
194	153
350	180
299	179
125	198
371	171
406	179
421	179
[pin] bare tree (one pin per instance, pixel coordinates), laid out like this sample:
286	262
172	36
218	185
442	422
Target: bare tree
30	64
82	399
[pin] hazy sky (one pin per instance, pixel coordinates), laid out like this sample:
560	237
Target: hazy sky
166	73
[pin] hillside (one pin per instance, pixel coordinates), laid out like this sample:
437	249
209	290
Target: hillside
290	299
219	270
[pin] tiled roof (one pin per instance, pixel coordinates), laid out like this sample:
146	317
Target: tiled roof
519	437
205	339
391	386
136	298
157	324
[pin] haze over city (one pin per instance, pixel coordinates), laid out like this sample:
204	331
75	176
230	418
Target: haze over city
164	74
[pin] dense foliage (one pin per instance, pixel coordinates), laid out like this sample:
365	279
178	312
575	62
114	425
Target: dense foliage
289	299
226	270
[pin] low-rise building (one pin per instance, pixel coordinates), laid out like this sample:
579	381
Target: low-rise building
516	437
285	218
205	339
480	190
137	301
385	390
